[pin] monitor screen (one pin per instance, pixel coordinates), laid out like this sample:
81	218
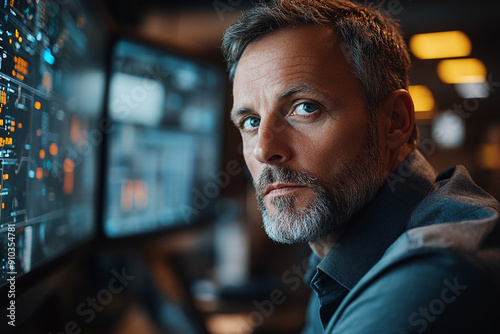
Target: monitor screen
52	85
164	146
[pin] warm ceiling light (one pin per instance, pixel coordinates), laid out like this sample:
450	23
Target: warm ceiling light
456	71
446	44
422	98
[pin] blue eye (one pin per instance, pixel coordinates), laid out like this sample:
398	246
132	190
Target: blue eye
250	123
305	108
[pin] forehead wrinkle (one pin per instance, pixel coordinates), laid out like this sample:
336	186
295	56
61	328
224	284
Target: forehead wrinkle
279	80
280	65
280	60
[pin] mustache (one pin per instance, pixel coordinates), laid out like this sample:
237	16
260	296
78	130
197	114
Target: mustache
283	174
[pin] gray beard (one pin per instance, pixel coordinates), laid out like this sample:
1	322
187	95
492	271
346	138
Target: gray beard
350	189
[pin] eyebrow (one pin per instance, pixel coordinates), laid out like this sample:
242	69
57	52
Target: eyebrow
235	113
299	88
304	87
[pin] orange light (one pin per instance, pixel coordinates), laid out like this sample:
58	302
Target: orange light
47	81
69	165
6	176
446	44
423	100
489	156
42	154
226	323
141	194
1	122
21	65
74	133
69	176
80	22
466	70
39	173
3	205
3	98
20	125
53	149
38	105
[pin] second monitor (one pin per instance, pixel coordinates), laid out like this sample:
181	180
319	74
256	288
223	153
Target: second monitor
165	140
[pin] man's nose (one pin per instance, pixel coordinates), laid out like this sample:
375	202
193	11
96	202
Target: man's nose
272	146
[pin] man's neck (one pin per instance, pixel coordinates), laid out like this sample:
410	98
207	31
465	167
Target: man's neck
322	246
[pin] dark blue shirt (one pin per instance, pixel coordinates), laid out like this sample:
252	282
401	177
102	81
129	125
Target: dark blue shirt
421	257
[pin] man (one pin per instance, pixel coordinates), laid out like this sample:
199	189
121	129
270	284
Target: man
328	130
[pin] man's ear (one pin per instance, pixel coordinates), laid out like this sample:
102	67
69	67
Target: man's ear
399	117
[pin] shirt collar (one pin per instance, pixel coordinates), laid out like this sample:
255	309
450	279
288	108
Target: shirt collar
380	222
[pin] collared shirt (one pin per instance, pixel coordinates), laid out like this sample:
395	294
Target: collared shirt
419	235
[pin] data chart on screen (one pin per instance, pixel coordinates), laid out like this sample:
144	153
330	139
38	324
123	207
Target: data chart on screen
52	84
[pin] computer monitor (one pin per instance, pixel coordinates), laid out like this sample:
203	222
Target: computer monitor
164	145
52	89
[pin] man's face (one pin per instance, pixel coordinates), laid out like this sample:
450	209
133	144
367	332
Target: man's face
313	154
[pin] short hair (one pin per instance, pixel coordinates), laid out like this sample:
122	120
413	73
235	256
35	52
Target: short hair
372	42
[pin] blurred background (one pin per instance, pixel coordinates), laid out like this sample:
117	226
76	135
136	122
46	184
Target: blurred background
159	230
